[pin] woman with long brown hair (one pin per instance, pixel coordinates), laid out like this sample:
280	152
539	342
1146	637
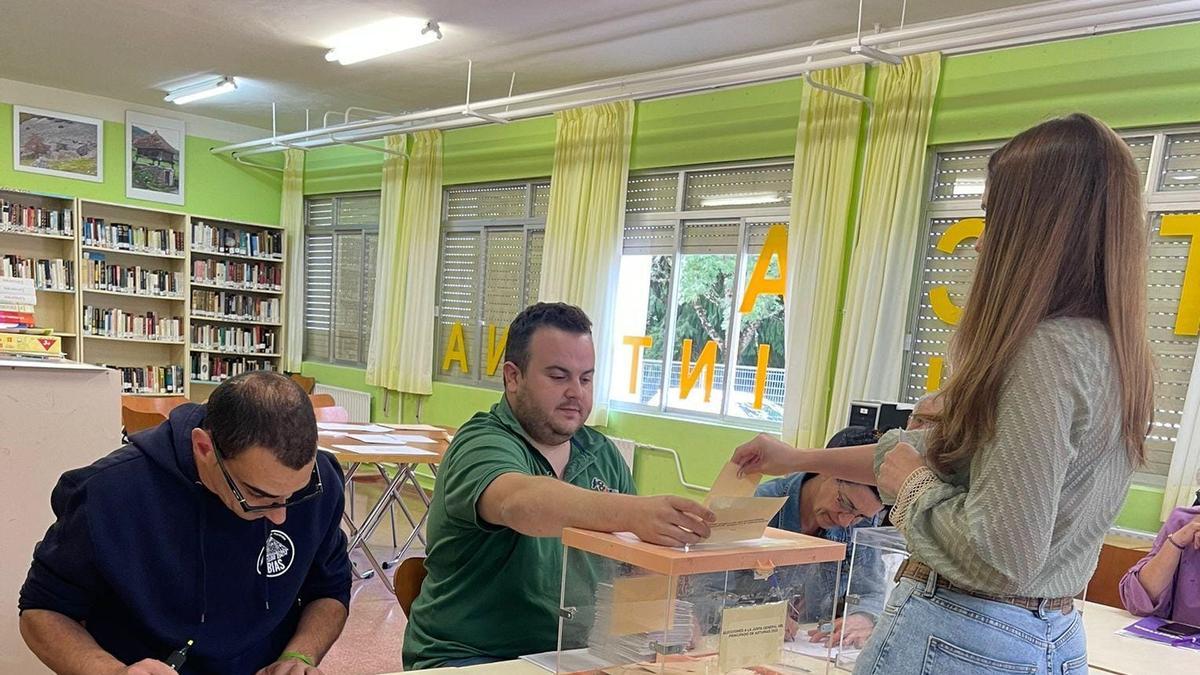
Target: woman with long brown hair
1006	499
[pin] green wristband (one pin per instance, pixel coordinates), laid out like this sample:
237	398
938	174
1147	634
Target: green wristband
298	656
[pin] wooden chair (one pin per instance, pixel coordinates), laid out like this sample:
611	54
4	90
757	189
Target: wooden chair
137	420
1115	561
306	383
159	404
333	413
321	400
407	581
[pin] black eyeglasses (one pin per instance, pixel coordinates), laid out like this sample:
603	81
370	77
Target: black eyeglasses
848	506
313	489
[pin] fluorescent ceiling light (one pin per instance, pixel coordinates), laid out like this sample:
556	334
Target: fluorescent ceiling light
196	92
743	200
382	37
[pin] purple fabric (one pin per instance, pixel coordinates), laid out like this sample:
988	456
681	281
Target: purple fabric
1148	627
1180	602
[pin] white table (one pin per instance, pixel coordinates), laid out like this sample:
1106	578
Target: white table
1107	652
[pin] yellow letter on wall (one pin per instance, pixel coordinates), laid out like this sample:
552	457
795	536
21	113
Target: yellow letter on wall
775	245
933	376
495	351
456	349
939	296
1187	316
638	342
760	375
706	362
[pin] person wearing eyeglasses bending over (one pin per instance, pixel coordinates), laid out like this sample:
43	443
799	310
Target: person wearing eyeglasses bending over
220	526
823	506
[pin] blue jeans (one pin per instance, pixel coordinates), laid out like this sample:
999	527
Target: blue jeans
931	631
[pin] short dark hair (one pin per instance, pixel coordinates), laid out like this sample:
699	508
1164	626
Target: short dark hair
567	318
266	409
852	436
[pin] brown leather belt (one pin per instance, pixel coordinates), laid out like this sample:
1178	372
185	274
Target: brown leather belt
919	572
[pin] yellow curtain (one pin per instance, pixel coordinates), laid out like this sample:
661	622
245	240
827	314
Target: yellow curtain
872	338
821	190
584	226
400	355
291	217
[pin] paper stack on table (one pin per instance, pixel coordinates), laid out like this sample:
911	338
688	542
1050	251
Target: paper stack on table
392	439
385	450
340	426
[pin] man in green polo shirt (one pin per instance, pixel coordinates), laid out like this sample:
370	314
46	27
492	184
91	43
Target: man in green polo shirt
513	478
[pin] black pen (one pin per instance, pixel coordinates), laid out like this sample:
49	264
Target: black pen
177	657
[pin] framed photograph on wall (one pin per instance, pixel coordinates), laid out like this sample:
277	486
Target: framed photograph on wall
154	158
58	144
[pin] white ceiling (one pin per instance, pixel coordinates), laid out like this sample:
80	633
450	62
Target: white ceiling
135	50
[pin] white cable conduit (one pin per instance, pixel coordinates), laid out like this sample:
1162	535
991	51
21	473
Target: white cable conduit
1022	24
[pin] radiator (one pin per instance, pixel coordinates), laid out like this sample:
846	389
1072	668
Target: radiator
357	403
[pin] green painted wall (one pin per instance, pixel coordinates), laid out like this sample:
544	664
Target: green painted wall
1136	79
213	186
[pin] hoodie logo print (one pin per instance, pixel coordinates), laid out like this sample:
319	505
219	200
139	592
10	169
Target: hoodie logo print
276	557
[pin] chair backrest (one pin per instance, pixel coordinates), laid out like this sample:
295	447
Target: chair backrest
333	413
137	420
407	581
321	400
158	404
306	383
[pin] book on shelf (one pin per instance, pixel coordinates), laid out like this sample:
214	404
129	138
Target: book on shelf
55	274
12	342
117	323
17	291
98	274
133	238
16	217
249	275
208	238
235	306
240	339
216	368
150	379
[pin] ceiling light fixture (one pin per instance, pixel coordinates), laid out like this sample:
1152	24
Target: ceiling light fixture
195	92
381	38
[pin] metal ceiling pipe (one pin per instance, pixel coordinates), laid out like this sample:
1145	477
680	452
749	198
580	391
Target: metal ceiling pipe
674	81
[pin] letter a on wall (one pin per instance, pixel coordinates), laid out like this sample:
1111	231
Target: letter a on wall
456	350
775	245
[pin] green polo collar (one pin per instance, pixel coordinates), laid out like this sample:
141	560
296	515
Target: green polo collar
582	455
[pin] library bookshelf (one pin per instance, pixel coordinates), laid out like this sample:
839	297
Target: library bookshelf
176	302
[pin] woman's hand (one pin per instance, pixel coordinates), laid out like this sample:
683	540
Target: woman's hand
897	466
1188	535
766	455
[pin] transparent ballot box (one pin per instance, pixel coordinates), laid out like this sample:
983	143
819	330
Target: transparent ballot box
875	556
745	607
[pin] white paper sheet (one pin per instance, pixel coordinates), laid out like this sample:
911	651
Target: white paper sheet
384	450
340	426
392	439
414	427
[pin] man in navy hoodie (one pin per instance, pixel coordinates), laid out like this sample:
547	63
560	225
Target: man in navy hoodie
221	526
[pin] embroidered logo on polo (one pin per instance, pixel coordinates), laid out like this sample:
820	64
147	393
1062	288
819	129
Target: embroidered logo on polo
599	485
276	557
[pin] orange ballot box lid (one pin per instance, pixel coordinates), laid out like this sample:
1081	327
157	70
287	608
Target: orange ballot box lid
777	548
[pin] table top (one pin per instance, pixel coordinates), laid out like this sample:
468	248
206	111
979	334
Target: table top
1110	653
326	440
1107	653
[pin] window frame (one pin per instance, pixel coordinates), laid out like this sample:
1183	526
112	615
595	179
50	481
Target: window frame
1155	202
529	224
746	217
366	314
